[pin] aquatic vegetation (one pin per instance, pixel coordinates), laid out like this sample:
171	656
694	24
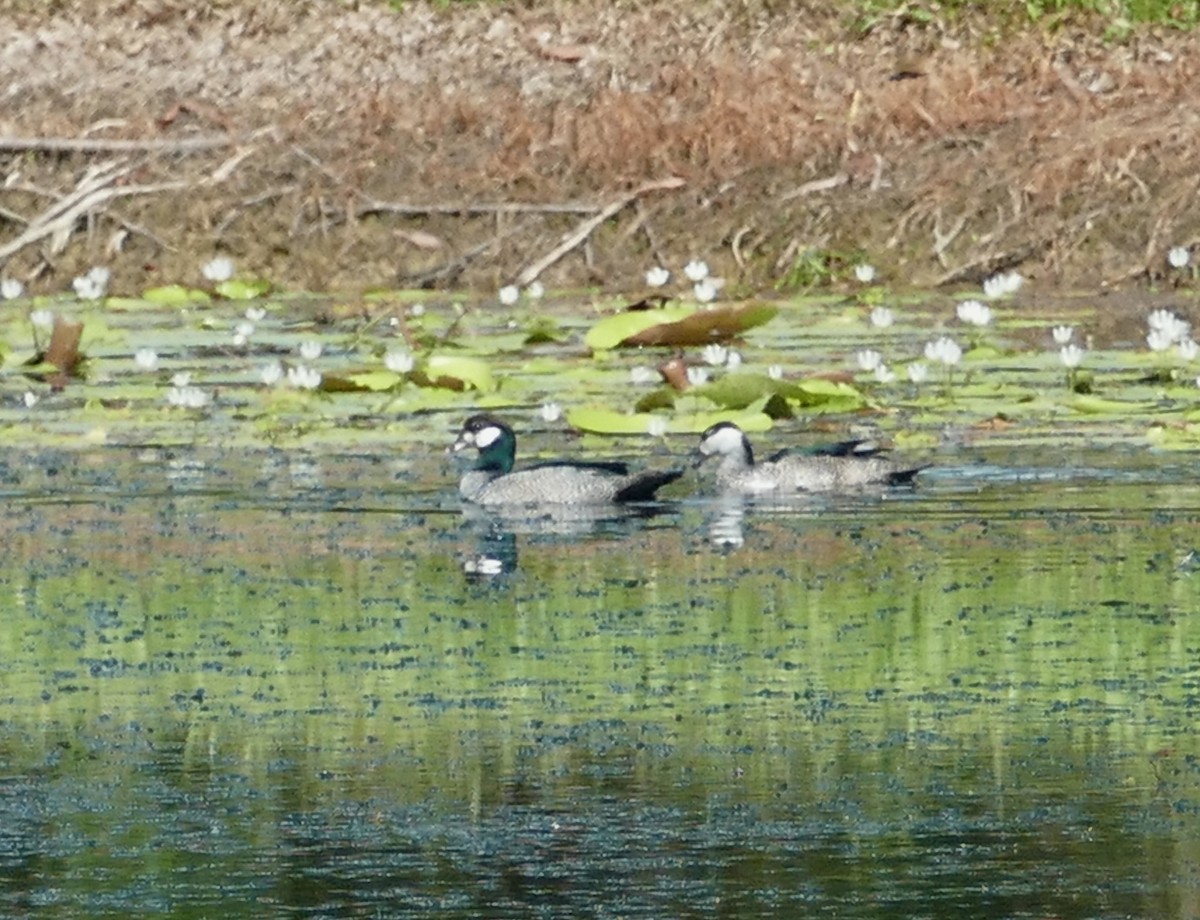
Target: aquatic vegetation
312	367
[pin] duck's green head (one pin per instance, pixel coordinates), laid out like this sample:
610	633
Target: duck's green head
495	441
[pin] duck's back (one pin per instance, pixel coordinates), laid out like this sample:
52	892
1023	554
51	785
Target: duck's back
834	473
568	483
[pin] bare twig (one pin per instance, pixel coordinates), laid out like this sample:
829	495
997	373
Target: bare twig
373	206
816	185
978	269
587	227
101	145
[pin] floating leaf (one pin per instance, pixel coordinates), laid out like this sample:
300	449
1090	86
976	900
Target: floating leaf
704	326
658	398
175	295
377	381
1097	405
736	391
815	392
607	421
615	330
455	372
239	289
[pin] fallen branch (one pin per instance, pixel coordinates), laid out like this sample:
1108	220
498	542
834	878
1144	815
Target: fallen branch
985	266
816	185
93	191
425	210
101	145
586	228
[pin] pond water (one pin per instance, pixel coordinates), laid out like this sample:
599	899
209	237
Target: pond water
280	683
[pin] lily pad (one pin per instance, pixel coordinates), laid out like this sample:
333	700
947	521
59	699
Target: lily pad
607	421
239	289
455	372
175	295
377	381
678	325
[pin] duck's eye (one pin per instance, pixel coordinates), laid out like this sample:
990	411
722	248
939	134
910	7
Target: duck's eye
486	437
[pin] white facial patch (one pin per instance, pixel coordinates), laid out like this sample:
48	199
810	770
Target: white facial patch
486	437
723	441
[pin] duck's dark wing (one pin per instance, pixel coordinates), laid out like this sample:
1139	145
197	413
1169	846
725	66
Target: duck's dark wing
616	467
860	448
904	477
643	486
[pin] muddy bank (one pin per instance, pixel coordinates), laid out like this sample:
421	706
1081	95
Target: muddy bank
329	147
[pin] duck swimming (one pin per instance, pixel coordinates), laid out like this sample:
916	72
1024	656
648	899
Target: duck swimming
493	481
841	467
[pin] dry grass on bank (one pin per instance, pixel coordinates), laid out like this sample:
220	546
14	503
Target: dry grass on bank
1063	155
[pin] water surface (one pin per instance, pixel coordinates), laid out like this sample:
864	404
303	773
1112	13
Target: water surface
276	684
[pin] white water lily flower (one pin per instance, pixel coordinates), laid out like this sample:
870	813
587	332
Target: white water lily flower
656	426
42	319
974	312
93	285
416	310
734	360
696	270
944	351
31	399
657	276
11	289
1071	356
1179	257
181	379
1003	284
715	355
884	374
256	314
917	372
1188	349
643	374
146	359
303	377
868	359
864	273
1062	334
311	350
218	269
1158	340
705	290
1170	328
188	397
271	374
242	332
535	291
882	317
399	361
697	376
551	411
775	372
509	294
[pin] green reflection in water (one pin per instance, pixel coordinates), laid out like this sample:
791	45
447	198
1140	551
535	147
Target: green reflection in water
917	706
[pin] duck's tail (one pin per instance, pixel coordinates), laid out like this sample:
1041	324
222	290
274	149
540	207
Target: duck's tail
641	488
